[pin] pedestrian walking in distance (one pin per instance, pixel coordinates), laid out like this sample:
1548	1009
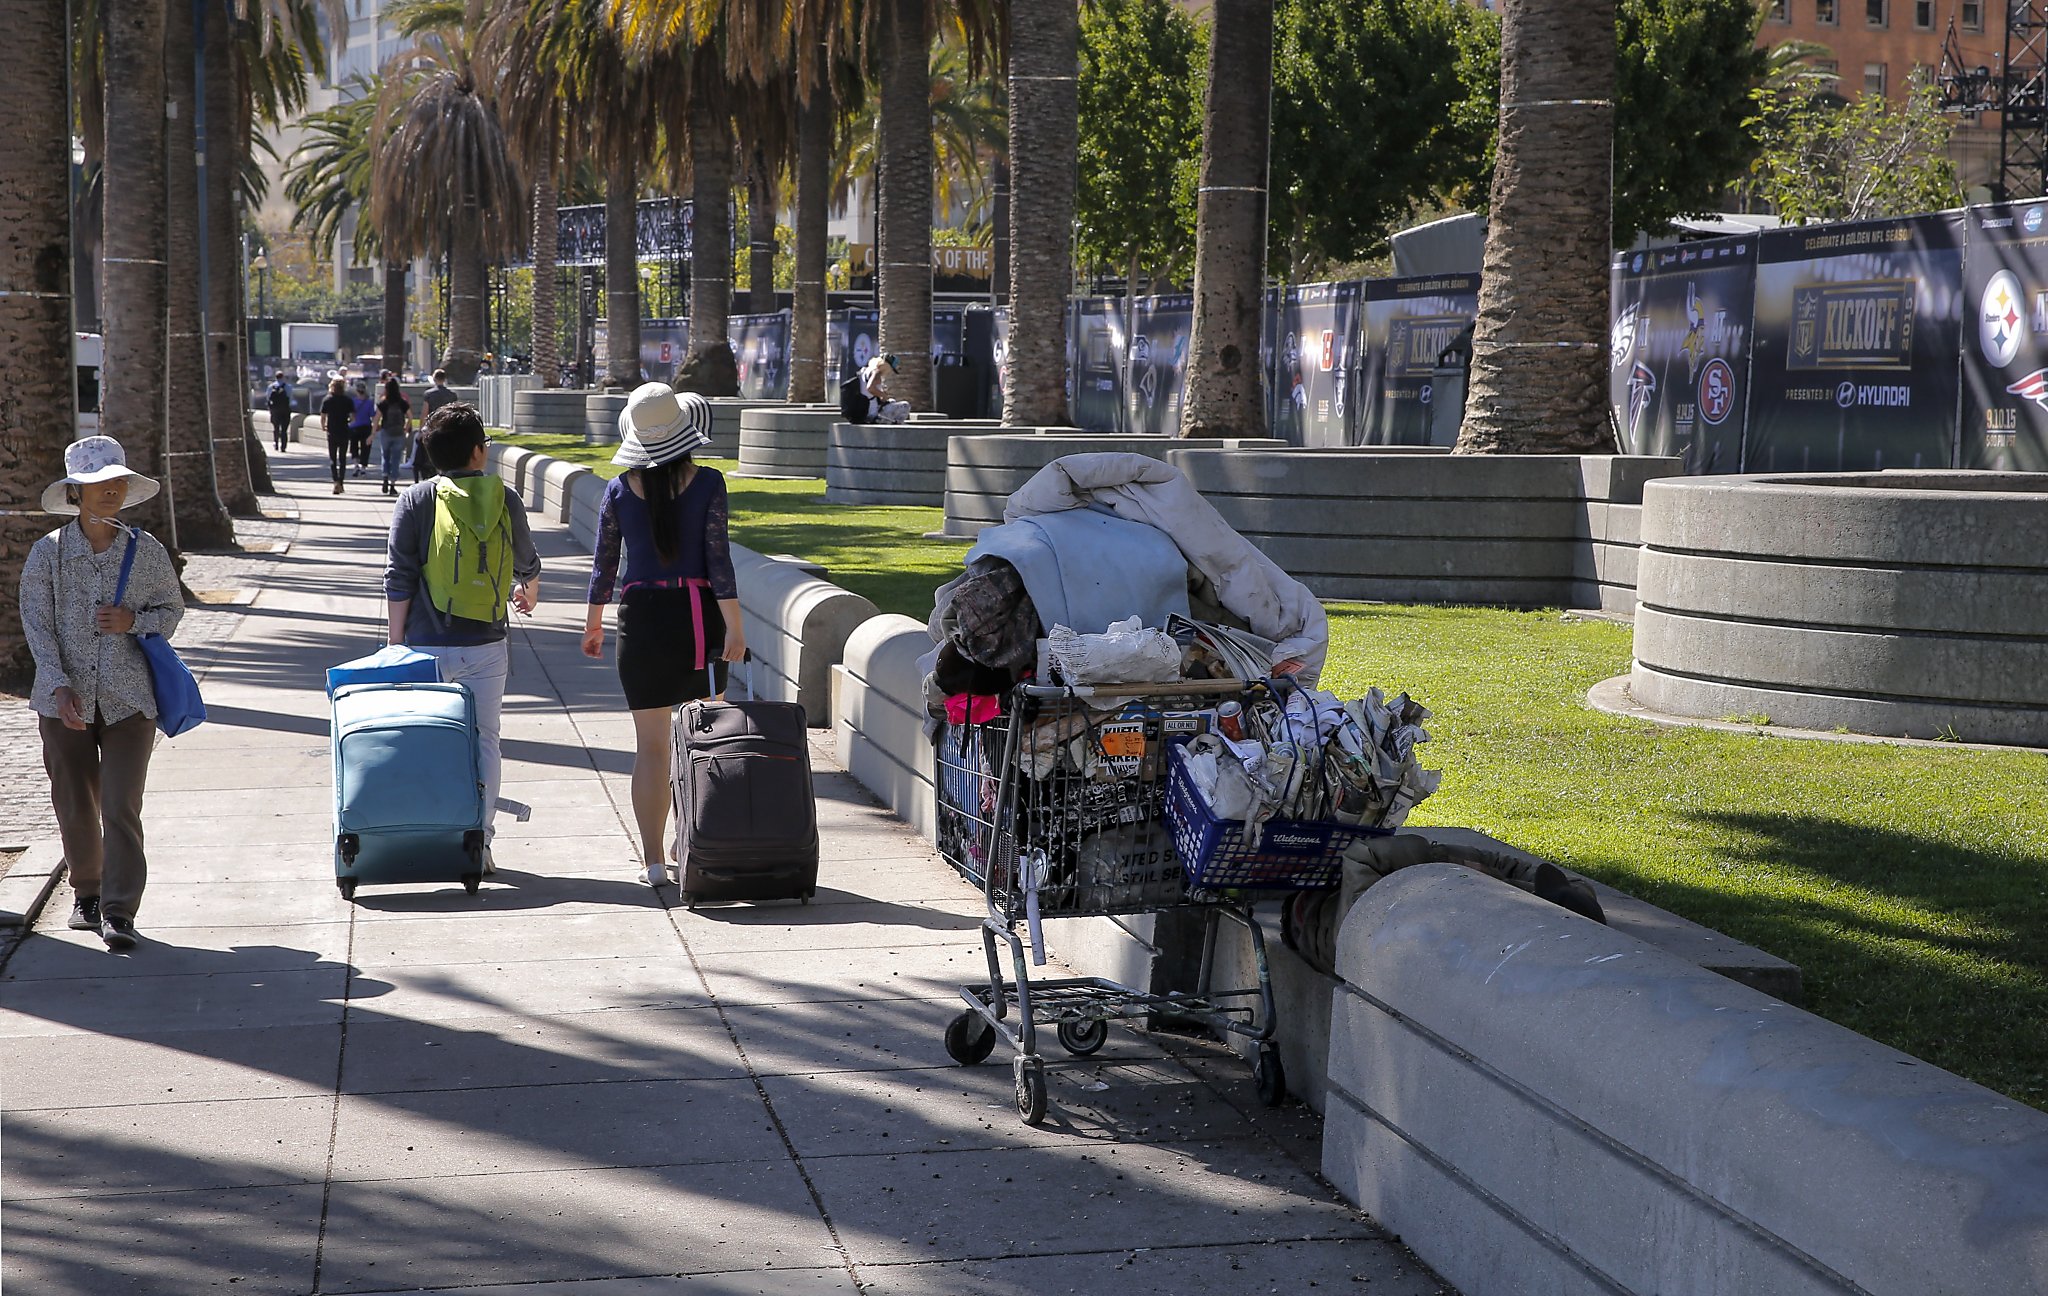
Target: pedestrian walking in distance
460	552
280	403
336	413
394	433
362	426
437	396
94	703
679	606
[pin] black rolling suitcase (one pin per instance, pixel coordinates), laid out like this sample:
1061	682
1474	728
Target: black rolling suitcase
746	824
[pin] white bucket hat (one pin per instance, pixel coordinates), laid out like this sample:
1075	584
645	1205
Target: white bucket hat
96	459
660	424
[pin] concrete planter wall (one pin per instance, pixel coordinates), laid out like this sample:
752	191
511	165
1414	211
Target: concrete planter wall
548	412
895	463
728	417
1899	603
601	410
494	397
782	441
1540	1105
1416	524
981	472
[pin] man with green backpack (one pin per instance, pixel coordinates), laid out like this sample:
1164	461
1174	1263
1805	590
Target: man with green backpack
460	553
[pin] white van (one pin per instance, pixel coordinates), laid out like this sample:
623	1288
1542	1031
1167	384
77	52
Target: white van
90	352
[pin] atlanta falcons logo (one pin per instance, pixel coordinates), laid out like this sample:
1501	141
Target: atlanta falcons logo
1642	386
2033	387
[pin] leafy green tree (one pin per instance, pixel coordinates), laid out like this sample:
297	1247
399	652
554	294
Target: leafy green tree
1821	159
1380	107
1685	70
1142	67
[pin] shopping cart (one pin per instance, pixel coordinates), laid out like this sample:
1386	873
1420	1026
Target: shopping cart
1056	809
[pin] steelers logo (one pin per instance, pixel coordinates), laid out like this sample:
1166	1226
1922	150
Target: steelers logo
2001	319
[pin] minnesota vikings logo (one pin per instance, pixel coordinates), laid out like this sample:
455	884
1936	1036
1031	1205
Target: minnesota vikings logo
1642	387
1695	344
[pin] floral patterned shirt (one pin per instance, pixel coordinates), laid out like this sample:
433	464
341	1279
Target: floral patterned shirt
63	585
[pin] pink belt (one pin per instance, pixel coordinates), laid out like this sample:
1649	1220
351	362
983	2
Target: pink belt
692	584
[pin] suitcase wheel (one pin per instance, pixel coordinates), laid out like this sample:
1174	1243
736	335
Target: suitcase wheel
348	844
471	881
689	902
348	887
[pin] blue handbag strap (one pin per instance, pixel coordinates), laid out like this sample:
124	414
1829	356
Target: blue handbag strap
127	565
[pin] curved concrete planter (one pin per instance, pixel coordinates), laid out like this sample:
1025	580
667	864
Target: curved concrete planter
548	412
601	412
1903	603
784	440
895	463
981	471
1415	524
729	423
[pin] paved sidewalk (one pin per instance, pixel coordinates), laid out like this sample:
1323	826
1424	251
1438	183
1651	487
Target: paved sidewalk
567	1086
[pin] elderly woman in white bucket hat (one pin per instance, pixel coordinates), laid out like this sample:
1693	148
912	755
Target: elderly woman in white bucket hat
92	694
679	606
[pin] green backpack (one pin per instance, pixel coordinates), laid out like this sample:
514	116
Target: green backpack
469	550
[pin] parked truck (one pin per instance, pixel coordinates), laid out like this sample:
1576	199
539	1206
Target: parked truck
312	349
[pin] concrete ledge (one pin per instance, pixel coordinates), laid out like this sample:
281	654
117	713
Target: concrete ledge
895	463
797	627
1540	1105
1899	603
549	411
878	716
982	471
601	412
29	885
785	441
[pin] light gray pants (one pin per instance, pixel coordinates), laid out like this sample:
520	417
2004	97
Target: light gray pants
96	780
483	667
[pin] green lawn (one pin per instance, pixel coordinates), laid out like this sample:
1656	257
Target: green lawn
1909	883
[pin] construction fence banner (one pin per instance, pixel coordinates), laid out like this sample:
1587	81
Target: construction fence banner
850	341
1095	363
2004	423
1411	329
1854	360
1678	373
664	232
1160	331
1312	368
664	346
760	348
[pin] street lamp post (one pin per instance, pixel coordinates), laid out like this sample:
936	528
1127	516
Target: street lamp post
261	265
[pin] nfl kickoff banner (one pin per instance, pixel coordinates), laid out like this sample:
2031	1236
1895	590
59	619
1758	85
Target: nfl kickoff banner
760	347
1095	363
1678	359
1407	324
1160	330
947	325
2005	339
849	342
1853	362
1312	362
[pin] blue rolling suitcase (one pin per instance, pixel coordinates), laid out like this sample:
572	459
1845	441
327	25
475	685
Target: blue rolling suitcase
408	791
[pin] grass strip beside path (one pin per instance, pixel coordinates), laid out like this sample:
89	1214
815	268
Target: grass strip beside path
1909	883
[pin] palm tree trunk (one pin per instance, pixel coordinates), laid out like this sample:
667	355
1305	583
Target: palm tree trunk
1045	37
813	216
256	453
132	282
712	371
904	204
762	199
394	315
202	522
547	362
622	274
1539	347
465	302
1223	388
226	375
36	364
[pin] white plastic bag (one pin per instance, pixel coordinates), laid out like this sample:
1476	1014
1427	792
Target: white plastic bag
1126	653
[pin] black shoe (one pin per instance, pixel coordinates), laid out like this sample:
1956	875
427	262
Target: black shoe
85	914
118	933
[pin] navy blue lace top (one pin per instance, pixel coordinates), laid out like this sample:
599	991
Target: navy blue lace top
702	552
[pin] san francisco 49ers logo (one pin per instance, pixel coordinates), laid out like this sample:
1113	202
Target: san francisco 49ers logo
1716	391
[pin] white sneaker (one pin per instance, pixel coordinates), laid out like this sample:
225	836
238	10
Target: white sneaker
654	875
490	865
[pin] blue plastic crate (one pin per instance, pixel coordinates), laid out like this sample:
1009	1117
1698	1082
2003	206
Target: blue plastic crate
1292	855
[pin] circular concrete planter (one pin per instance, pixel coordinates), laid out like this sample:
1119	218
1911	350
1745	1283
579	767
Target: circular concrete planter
1909	604
895	463
549	412
784	440
729	421
981	471
601	410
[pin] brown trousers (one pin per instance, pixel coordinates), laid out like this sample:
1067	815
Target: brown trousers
96	780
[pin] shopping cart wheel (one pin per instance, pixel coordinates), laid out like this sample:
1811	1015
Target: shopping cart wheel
969	1039
1269	1077
1030	1073
1083	1037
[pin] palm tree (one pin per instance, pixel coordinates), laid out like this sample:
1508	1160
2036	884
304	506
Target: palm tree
903	194
969	130
444	182
228	412
202	523
1045	50
35	291
132	284
710	160
1539	349
1223	388
807	377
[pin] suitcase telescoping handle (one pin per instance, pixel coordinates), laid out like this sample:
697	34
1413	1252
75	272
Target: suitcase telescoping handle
704	720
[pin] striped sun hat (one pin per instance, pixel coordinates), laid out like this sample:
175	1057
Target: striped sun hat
660	424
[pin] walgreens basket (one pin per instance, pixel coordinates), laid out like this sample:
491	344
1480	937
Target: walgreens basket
1292	855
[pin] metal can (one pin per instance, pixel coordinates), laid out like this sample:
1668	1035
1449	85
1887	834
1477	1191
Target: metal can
1230	721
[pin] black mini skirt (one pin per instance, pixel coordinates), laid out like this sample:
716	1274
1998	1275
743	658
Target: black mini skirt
658	648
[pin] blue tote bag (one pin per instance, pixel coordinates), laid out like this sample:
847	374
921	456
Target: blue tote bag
178	704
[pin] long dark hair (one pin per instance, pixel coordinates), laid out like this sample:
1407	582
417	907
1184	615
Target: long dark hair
391	391
660	485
